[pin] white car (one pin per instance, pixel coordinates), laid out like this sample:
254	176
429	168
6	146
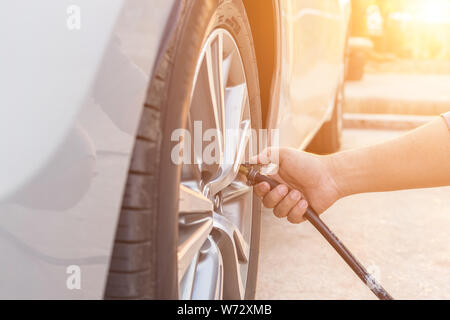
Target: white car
91	204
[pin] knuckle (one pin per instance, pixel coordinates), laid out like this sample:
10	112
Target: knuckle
295	216
284	209
269	201
295	195
290	203
276	212
279	211
294	220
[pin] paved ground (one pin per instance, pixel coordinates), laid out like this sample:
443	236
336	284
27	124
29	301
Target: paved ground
405	66
402	237
415	94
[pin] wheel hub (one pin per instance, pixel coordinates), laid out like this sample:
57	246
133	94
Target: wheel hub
215	207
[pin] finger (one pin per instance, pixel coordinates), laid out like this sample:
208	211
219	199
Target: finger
296	214
262	189
287	204
275	196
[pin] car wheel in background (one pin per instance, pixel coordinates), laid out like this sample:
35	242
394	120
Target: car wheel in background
328	139
191	231
356	65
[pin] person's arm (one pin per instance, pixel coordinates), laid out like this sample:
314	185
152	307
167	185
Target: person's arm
418	159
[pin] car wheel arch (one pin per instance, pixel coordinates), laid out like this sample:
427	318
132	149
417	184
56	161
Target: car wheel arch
264	19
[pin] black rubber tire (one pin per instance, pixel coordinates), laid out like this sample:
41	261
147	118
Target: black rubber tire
144	260
328	139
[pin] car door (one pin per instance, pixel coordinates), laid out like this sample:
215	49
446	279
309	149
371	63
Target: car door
312	46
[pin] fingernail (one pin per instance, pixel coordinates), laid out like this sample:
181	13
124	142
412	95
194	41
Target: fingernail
282	190
295	195
303	204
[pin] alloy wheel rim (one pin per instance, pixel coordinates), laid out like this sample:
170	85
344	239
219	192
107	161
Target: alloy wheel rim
215	206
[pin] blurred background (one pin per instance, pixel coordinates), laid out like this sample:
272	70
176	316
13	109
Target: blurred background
400	35
398	78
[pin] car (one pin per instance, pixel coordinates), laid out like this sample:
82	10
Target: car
92	204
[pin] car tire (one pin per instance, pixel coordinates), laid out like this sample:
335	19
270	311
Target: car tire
144	258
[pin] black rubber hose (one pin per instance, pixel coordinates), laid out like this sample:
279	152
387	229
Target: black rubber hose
255	177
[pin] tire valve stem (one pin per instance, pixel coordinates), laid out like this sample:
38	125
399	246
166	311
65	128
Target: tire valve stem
254	177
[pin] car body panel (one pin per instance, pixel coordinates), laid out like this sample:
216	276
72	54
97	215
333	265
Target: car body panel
71	100
313	38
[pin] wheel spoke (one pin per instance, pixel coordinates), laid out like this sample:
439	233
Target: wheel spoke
237	208
214	65
225	225
229	170
208	283
235	102
233	246
217	77
187	282
191	239
206	111
226	66
195	226
193	202
243	249
235	190
236	136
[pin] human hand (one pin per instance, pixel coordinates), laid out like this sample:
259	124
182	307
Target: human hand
309	177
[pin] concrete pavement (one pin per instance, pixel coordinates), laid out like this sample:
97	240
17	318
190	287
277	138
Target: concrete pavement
402	237
414	94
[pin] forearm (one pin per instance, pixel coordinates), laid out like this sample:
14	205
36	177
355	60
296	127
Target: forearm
418	159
